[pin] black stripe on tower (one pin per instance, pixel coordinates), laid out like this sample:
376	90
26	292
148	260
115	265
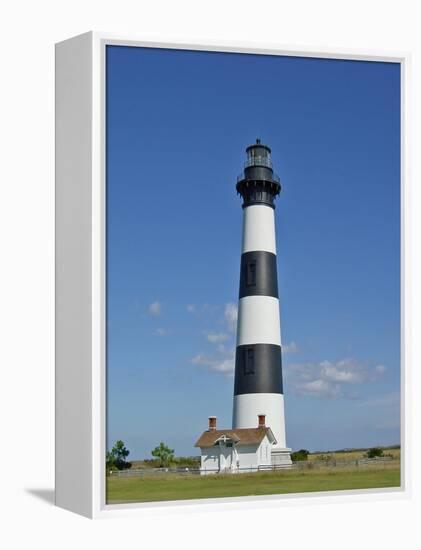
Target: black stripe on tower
258	275
258	369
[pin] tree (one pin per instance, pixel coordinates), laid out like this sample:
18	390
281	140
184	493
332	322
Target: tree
302	454
164	453
116	458
374	452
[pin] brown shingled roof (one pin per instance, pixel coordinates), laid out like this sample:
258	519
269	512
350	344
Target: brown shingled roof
241	436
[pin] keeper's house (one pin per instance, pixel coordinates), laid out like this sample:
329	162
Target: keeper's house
235	450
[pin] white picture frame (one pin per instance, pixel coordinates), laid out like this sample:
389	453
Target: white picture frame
80	273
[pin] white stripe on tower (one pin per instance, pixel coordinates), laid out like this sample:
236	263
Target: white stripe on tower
248	405
258	368
259	229
258	321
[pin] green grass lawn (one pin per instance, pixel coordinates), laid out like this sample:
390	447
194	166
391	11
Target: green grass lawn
151	489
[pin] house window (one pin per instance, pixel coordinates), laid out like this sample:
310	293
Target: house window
249	361
251	273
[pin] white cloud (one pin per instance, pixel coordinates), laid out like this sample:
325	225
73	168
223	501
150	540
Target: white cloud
161	331
380	369
347	371
226	366
199	359
320	388
330	379
223	362
191	308
155	308
231	314
290	348
217	337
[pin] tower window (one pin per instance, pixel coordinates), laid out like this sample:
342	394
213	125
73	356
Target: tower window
251	273
249	361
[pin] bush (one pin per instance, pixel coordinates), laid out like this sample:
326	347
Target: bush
187	461
302	454
152	462
374	452
327	457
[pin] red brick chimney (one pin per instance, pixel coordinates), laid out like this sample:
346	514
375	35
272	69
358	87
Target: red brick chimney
212	423
261	418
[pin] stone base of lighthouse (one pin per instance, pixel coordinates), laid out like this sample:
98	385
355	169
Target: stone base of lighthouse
281	457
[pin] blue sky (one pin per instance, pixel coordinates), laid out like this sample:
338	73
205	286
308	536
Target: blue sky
178	123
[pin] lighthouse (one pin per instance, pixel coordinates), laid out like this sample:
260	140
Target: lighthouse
258	388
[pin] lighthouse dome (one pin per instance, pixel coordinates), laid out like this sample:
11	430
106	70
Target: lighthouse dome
258	184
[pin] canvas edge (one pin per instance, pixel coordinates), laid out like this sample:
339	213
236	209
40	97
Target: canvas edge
406	276
73	272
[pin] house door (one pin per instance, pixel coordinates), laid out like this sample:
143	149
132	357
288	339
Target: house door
222	461
225	456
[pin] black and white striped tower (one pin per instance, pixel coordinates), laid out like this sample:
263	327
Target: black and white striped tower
258	366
